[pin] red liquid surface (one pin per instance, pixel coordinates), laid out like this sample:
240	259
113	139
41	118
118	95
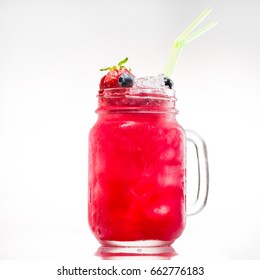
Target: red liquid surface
136	177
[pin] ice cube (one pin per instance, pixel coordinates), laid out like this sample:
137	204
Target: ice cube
168	154
150	82
170	175
162	210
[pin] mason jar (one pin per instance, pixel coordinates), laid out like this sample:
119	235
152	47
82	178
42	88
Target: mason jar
137	169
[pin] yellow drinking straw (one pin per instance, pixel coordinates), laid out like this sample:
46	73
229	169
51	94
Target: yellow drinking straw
185	38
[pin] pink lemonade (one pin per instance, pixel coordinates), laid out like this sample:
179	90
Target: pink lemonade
137	169
137	161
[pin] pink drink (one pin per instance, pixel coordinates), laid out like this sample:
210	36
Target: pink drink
137	169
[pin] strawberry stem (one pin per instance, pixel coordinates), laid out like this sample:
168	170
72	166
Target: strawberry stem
119	65
123	61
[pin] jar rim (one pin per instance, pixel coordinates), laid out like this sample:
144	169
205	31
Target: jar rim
137	92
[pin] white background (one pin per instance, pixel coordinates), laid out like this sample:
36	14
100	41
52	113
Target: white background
50	55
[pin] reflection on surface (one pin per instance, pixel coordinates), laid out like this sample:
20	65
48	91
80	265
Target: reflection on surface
152	253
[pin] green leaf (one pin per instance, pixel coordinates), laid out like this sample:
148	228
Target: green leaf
105	69
123	61
110	68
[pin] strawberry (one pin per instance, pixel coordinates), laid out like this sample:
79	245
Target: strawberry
118	76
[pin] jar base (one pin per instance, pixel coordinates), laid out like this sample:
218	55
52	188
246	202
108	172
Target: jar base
137	243
116	252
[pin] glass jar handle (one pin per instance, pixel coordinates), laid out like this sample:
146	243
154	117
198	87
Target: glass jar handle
203	173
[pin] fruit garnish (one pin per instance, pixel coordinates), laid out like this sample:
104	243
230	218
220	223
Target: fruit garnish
168	82
126	80
118	76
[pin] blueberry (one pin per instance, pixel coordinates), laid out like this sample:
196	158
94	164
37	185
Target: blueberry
168	82
126	80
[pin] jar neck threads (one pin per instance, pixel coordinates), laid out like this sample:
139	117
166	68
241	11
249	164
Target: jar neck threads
137	100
